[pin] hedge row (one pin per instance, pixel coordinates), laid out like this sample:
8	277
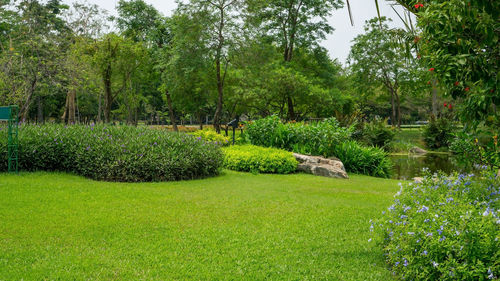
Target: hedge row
114	153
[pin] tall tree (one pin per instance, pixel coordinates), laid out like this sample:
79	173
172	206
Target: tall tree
117	60
36	46
143	23
292	24
220	20
378	58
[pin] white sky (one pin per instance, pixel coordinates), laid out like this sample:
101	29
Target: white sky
338	43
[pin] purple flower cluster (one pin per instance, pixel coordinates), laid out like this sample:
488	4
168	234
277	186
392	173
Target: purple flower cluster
430	226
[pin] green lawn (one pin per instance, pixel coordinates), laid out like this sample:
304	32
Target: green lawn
233	227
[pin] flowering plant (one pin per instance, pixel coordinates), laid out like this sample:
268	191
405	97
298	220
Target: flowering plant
445	228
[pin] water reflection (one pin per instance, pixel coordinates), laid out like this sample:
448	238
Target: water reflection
410	166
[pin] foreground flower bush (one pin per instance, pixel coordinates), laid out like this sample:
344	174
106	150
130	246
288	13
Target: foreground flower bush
255	159
445	228
114	153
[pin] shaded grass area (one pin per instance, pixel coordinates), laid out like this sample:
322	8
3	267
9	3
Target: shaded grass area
236	226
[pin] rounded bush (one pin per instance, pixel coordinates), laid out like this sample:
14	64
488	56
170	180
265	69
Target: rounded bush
112	153
439	133
209	135
256	159
445	228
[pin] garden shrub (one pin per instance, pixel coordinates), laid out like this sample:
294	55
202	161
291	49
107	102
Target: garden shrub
325	139
313	139
256	159
114	153
371	161
209	135
445	228
439	133
477	148
377	133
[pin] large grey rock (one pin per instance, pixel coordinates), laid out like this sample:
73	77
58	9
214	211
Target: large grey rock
418	150
319	166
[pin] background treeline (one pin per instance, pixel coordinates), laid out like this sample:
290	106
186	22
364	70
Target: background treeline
208	62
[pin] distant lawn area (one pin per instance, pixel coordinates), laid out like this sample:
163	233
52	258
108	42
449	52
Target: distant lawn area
237	226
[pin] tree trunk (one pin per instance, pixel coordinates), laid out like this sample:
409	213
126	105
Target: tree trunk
26	106
99	108
398	107
65	114
393	105
108	94
200	119
39	117
71	106
171	111
291	111
220	82
69	115
434	98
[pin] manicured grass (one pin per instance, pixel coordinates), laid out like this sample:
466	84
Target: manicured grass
236	226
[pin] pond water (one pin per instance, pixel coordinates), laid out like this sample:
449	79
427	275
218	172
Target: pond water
407	167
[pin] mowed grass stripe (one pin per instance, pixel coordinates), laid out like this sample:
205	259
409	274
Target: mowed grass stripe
237	226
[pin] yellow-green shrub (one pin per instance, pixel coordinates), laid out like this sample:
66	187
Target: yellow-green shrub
211	136
256	159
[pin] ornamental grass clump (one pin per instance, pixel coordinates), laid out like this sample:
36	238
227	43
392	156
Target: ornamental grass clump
113	153
445	228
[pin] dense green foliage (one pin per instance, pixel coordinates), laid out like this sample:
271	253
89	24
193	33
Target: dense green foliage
377	61
114	153
317	138
326	138
459	41
256	159
439	133
445	228
363	160
236	226
482	150
376	133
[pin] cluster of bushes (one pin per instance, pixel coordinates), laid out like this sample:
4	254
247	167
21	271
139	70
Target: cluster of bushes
377	133
318	138
446	228
256	159
439	133
477	148
325	138
209	135
114	153
363	160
